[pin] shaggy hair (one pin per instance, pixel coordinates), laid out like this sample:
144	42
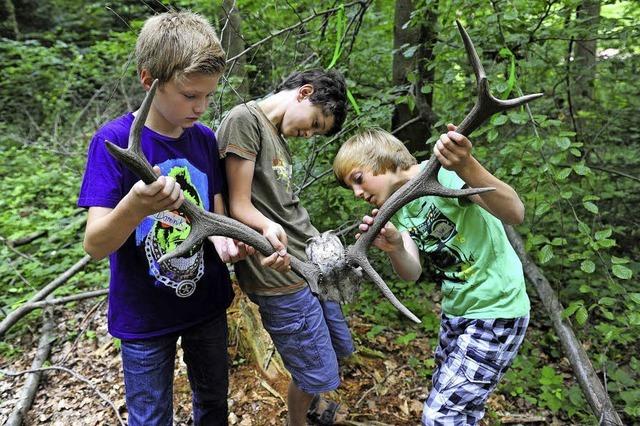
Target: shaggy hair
329	92
374	150
176	44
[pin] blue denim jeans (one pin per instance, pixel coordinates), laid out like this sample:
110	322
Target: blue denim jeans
148	366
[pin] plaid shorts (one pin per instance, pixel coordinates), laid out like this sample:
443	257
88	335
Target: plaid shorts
471	357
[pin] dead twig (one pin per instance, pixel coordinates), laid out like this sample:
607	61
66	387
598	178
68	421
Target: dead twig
72	298
27	307
33	380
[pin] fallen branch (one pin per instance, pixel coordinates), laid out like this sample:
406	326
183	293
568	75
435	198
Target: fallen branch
26	239
33	380
27	307
583	370
67	299
74	374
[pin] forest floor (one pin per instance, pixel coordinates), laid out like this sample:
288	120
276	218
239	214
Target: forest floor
378	388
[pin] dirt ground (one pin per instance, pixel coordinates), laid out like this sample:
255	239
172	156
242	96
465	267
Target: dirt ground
379	387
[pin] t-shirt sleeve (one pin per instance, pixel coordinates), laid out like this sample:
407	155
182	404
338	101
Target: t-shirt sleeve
239	134
450	179
102	181
218	181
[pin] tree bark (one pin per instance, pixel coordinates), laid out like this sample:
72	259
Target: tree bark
232	43
588	15
583	370
414	125
33	379
8	23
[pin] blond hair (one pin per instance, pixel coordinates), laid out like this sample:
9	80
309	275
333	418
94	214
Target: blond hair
176	44
374	150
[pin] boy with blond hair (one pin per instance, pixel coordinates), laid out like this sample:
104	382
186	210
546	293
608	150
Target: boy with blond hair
485	308
151	305
310	335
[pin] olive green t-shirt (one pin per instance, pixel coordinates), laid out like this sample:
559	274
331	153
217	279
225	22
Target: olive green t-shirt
247	132
481	273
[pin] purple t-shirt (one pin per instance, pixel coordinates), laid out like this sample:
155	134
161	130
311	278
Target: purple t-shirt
147	299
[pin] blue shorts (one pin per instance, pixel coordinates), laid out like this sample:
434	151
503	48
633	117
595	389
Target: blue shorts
472	356
309	335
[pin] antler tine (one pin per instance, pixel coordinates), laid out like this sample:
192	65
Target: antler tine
202	223
426	182
486	104
359	257
132	156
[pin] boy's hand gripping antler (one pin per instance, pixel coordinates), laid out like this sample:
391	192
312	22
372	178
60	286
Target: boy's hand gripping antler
205	223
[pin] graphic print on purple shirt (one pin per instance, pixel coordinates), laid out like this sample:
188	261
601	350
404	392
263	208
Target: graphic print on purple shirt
146	299
179	274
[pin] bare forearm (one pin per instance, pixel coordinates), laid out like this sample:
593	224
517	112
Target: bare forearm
405	265
503	203
106	233
246	213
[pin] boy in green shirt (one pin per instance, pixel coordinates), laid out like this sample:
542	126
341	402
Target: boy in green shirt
485	308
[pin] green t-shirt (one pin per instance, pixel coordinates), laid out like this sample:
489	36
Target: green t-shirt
246	132
481	273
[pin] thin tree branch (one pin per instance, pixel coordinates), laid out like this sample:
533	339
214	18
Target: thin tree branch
14	316
33	380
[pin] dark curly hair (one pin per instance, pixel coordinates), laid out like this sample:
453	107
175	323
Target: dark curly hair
329	92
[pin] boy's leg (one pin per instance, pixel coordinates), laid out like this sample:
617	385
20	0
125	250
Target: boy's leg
205	353
338	328
299	332
471	358
148	379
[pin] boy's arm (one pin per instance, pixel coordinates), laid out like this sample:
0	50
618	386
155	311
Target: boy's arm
107	229
239	178
229	250
399	246
453	150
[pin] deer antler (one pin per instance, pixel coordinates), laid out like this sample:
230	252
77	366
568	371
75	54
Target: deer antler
426	183
203	223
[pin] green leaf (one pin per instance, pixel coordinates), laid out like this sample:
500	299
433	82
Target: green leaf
562	174
499	120
581	169
618	260
591	207
607	301
605	233
588	266
582	315
635	297
492	135
566	195
622	272
563	143
546	254
572	308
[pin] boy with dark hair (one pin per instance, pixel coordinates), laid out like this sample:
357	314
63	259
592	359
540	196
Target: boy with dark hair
485	308
151	305
310	335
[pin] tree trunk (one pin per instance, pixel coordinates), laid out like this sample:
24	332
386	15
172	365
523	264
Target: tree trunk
413	125
588	15
232	43
8	24
583	370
